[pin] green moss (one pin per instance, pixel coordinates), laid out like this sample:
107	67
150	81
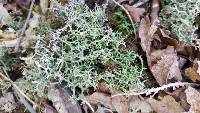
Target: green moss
82	53
120	22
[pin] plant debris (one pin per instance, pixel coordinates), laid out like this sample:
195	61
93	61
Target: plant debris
85	56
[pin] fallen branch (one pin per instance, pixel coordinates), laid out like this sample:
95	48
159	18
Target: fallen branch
156	90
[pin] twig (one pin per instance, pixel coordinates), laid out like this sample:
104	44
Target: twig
26	104
17	88
20	38
156	90
89	105
140	3
129	16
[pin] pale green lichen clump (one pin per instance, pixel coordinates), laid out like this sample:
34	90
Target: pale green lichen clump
81	53
178	16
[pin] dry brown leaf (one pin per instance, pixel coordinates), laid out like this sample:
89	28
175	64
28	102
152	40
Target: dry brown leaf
13	6
192	73
9	43
7	102
146	33
61	100
137	105
44	5
135	12
193	98
7	37
24	4
120	103
102	98
166	105
6	19
102	87
167	67
63	2
49	109
154	10
166	39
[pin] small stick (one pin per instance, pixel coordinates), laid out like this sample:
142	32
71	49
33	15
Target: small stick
26	104
140	3
24	27
17	88
89	105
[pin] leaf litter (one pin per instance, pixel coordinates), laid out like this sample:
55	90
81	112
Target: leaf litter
166	58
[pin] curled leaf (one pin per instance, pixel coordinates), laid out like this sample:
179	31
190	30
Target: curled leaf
167	67
146	33
135	12
7	37
166	105
7	102
192	73
193	98
61	100
102	98
120	103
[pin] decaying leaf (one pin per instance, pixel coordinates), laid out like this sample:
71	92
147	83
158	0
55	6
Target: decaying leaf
154	10
135	12
120	103
136	105
102	87
5	18
160	51
49	109
9	43
166	39
63	2
61	100
102	98
192	72
193	98
7	37
166	105
7	102
44	5
146	33
25	4
167	67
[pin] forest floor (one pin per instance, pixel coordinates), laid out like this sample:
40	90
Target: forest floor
99	56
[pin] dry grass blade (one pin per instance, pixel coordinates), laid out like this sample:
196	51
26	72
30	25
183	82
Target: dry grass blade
24	27
17	88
